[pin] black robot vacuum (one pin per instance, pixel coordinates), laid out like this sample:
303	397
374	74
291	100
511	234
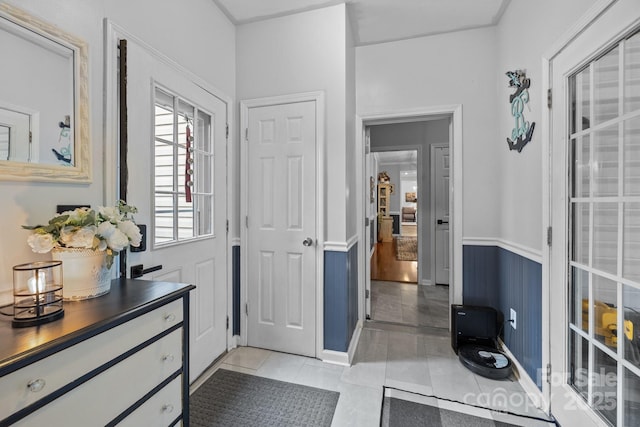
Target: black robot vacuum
474	338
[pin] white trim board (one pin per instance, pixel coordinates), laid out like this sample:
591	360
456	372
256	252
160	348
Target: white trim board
341	246
529	253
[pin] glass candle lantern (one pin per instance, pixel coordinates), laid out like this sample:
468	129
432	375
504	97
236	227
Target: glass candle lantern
37	293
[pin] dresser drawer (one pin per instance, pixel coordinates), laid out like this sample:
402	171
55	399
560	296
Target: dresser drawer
33	382
104	397
160	410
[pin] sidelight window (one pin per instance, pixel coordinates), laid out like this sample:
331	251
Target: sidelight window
183	170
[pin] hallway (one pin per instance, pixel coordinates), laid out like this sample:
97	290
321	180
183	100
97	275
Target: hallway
410	304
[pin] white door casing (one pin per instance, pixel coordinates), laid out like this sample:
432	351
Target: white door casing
440	164
203	261
456	199
281	224
371	179
602	25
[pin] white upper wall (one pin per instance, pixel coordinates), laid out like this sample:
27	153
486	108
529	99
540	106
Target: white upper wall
205	46
302	53
447	69
502	193
352	155
521	46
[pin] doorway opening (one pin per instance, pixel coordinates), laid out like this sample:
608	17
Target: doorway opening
404	287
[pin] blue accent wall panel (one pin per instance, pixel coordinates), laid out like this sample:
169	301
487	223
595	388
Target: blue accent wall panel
501	279
396	223
235	254
340	298
352	317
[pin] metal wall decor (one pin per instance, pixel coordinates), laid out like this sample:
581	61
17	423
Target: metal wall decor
522	130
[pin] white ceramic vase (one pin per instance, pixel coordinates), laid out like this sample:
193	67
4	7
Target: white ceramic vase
84	273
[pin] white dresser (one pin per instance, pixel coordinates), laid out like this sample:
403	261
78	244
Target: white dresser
120	359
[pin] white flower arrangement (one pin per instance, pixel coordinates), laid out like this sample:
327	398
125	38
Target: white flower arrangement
109	229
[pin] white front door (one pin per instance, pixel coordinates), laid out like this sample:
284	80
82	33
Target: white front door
281	225
186	233
440	164
595	205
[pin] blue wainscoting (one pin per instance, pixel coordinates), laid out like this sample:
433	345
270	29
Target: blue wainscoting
340	298
235	254
498	278
396	223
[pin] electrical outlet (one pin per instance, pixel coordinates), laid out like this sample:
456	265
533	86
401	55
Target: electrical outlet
512	319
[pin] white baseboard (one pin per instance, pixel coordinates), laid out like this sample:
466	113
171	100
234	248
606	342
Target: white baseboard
529	386
335	357
343	358
426	282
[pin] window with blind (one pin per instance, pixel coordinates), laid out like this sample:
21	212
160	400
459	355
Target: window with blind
183	170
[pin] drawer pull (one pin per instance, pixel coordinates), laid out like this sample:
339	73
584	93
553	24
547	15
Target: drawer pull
170	317
36	385
167	408
168	358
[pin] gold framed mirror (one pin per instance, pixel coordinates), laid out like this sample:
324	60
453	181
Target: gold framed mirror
44	101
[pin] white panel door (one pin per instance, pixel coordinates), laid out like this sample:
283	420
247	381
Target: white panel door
203	261
281	243
441	162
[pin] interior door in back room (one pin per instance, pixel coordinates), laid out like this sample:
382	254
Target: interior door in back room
177	179
281	243
441	168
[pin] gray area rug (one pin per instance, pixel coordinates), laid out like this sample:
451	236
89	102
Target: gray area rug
232	398
402	413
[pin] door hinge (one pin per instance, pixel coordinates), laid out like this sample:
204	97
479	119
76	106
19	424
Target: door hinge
366	293
227	131
30	137
549	373
549	235
227	226
227	322
549	98
246	134
246	221
246	308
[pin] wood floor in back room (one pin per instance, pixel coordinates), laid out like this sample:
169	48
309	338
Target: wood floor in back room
385	266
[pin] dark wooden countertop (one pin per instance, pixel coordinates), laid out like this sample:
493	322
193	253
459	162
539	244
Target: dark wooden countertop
83	319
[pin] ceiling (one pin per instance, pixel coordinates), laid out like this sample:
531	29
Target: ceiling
379	21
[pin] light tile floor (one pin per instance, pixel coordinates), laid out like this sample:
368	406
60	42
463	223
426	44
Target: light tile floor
410	304
416	362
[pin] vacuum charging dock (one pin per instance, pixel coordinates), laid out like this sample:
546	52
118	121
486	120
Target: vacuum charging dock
474	338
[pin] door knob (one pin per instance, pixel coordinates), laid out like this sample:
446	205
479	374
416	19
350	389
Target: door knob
442	222
308	241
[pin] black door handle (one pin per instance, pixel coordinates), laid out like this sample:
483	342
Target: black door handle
139	270
442	222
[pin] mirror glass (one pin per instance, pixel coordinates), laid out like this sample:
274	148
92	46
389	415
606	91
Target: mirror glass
43	100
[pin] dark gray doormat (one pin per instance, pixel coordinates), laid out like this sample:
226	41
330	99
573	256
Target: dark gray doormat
231	398
403	413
